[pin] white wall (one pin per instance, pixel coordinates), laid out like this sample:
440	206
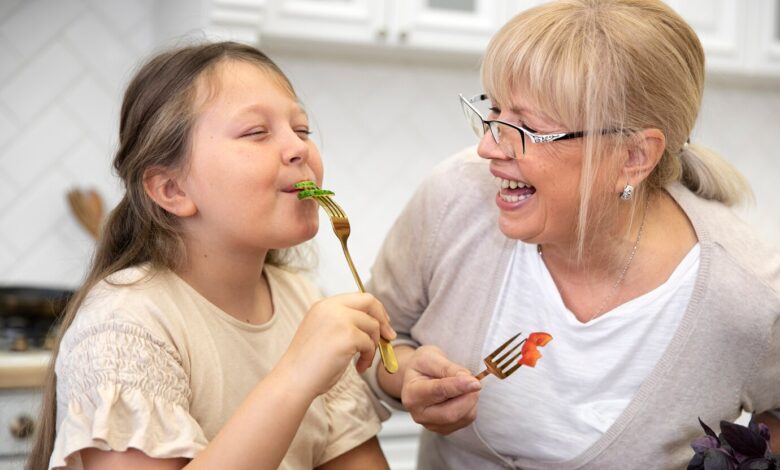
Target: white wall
381	127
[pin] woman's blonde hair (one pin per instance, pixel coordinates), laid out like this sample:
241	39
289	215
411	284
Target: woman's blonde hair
613	64
157	116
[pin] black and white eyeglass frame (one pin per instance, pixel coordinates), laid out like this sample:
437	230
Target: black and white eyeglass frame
479	128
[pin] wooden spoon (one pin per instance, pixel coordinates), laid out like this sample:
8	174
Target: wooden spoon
87	206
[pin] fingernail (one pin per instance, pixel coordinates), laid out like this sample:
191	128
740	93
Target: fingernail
388	333
474	386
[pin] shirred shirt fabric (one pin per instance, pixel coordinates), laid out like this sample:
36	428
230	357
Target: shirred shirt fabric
439	273
150	364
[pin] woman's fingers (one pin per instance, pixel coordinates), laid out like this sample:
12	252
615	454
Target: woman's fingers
451	415
440	394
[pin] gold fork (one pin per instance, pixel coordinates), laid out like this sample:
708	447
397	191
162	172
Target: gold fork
338	218
503	366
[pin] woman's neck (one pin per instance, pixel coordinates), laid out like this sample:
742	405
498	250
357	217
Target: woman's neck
636	262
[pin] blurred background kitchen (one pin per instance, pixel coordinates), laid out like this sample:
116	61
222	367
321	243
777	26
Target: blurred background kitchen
380	80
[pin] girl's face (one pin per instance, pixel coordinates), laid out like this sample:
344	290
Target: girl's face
250	145
544	205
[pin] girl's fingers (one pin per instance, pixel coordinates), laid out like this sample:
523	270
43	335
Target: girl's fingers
367	303
367	325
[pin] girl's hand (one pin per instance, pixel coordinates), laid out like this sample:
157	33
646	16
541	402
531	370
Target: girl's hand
333	331
439	394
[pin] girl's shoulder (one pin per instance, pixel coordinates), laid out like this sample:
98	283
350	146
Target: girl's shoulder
140	297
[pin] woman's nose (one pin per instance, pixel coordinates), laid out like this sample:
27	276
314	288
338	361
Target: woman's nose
488	148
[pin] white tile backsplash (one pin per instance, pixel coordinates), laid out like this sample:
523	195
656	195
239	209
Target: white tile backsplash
39	82
7	128
101	49
38	148
9	59
95	108
381	127
36	23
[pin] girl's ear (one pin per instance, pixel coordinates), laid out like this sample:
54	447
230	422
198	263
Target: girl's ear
162	185
645	150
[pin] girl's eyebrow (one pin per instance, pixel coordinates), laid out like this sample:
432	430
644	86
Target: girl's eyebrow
259	108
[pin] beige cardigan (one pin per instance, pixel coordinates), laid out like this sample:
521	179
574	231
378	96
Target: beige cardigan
439	273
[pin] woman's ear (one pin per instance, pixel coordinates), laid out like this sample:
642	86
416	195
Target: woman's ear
645	150
162	185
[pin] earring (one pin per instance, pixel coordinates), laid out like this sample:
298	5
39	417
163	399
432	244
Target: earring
628	192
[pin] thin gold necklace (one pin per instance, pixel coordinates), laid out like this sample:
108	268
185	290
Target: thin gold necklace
622	276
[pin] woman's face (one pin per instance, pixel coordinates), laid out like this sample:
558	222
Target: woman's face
249	146
544	205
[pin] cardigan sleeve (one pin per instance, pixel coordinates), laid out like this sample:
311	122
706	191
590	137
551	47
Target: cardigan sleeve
403	268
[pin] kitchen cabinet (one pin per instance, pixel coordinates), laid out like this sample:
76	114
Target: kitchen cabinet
766	55
739	37
237	20
18	412
451	25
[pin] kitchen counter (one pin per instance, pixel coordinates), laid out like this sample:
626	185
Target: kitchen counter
23	369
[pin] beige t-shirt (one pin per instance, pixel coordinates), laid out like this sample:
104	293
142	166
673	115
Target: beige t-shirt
156	367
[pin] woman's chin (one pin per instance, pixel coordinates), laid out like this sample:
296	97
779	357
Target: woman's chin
512	229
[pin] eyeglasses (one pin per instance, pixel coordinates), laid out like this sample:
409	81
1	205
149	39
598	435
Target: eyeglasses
503	132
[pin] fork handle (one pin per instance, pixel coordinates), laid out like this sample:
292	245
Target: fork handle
482	374
386	352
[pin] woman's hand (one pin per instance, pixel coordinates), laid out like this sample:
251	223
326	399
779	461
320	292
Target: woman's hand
333	331
441	395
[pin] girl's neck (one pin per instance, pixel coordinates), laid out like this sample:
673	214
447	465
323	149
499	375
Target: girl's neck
235	282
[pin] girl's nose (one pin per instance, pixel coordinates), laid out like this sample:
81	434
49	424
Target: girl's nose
296	150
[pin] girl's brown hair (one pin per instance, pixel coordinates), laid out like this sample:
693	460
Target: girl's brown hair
613	64
156	119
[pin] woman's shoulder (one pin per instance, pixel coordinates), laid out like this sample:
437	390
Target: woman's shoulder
720	229
463	166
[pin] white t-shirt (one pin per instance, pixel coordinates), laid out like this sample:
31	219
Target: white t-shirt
589	371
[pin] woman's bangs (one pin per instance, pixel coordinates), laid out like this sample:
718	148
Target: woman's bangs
543	66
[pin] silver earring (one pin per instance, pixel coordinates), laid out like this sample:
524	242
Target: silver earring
628	192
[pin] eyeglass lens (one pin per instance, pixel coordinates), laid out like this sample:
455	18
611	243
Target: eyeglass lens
507	138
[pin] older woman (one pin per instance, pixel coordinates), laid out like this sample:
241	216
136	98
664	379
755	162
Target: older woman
612	233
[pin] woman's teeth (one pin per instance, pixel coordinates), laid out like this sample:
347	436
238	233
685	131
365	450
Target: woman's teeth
505	184
511	184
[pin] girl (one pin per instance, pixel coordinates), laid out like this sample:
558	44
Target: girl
188	344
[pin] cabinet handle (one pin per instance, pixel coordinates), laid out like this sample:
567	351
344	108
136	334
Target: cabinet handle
22	427
381	34
403	36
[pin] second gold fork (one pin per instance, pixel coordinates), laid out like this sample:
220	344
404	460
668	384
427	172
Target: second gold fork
338	218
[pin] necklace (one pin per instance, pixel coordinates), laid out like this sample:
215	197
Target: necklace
622	275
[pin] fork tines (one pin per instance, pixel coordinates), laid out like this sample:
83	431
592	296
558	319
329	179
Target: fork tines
504	361
330	206
504	365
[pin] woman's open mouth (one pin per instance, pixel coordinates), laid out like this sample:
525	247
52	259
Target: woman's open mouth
513	190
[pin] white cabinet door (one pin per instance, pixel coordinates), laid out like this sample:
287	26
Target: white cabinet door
766	57
454	25
722	27
217	19
345	21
